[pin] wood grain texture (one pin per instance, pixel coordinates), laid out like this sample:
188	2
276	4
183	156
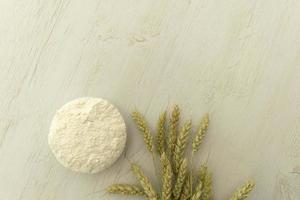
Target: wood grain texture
238	60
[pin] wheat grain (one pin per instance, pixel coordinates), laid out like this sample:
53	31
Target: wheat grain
160	137
181	144
126	189
144	181
144	129
243	192
166	178
200	134
180	179
174	121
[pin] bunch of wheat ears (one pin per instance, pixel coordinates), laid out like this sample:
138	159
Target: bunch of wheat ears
178	181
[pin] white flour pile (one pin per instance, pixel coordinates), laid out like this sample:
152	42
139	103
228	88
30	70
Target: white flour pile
87	135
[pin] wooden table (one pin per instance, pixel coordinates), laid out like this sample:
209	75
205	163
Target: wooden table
238	60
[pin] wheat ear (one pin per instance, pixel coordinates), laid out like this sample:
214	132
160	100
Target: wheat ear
200	134
181	144
243	192
206	179
180	179
174	121
160	137
144	181
126	189
186	190
198	191
166	178
142	125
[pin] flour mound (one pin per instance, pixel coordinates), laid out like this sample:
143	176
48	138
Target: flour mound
87	135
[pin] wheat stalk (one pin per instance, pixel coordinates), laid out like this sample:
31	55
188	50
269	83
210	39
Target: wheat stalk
243	192
126	189
174	121
181	144
160	137
200	134
144	129
180	179
144	181
166	178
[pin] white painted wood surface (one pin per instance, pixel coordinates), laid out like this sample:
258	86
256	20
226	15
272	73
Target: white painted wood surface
238	60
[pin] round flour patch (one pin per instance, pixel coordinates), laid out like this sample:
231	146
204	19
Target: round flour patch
87	135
